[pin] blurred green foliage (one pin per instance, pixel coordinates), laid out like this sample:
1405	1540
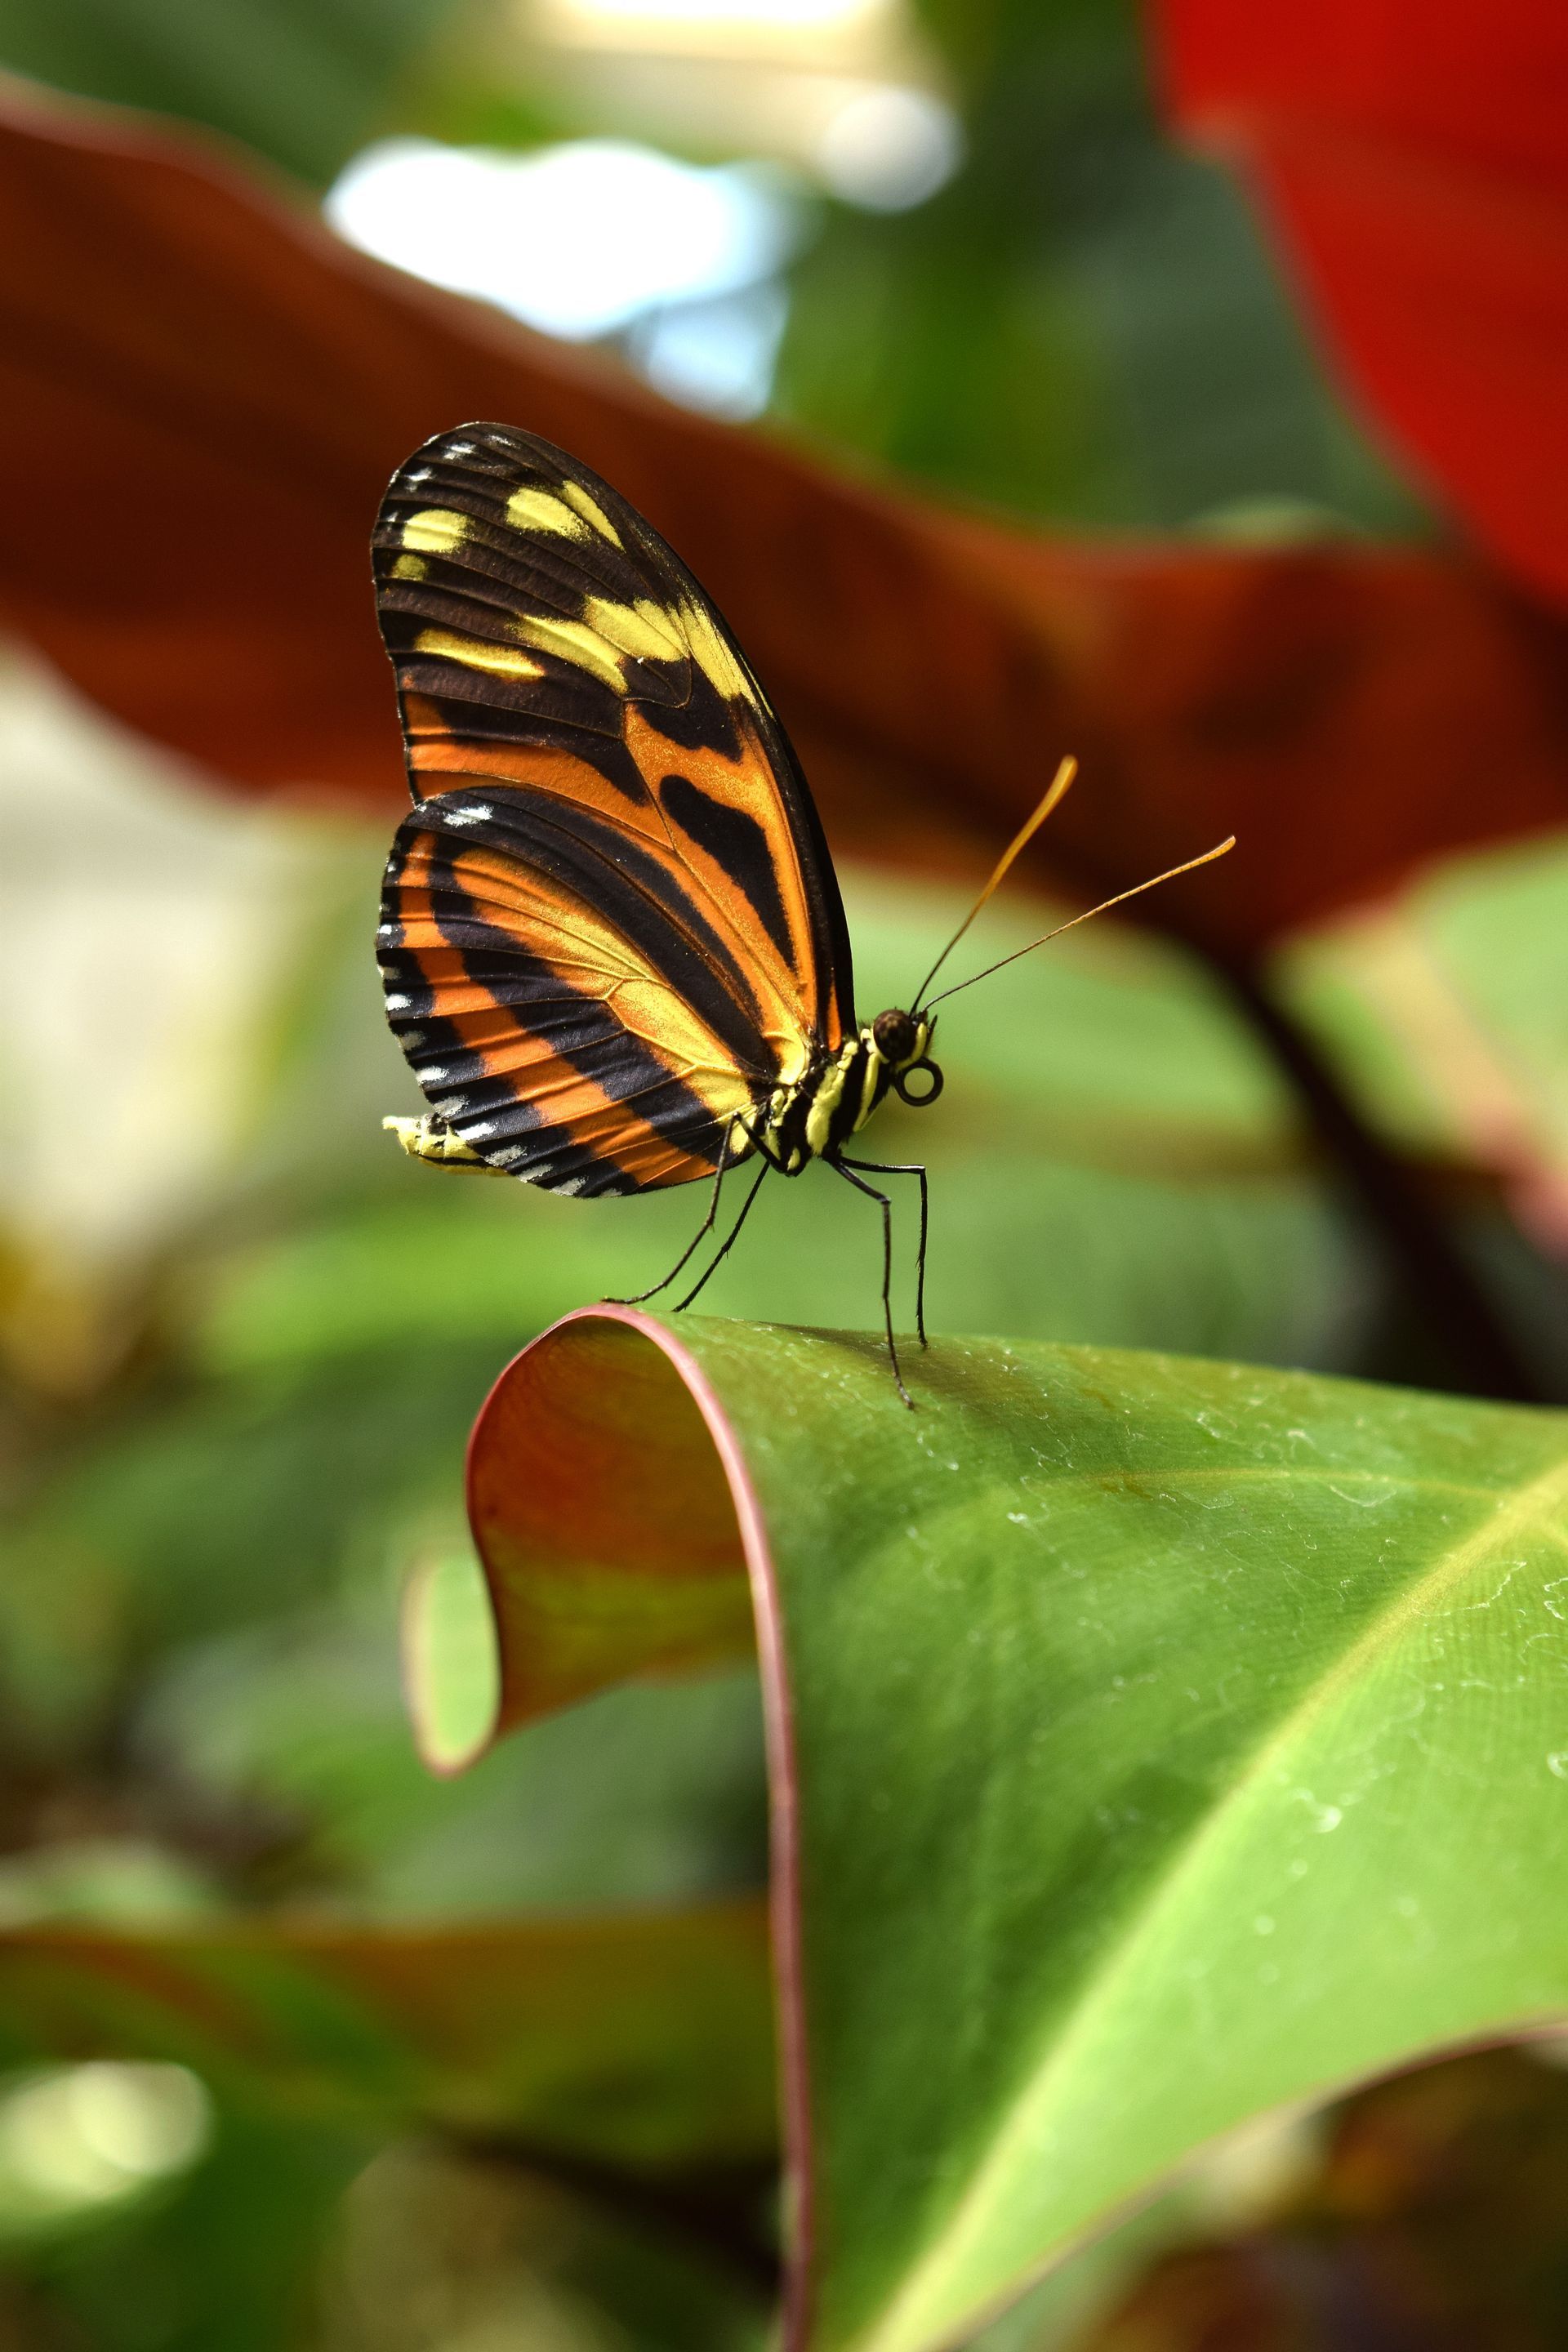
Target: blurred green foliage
223	2260
1084	326
302	82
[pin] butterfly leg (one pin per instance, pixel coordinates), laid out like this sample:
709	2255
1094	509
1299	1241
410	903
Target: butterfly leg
847	1170
706	1227
912	1168
723	1251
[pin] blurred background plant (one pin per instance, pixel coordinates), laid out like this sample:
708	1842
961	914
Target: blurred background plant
950	247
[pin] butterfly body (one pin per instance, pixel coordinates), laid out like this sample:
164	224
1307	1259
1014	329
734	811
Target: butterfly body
814	1118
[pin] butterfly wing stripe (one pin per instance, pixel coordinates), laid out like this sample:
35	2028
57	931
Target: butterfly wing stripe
737	845
575	1133
704	723
619	652
604	868
576	965
474	699
480	568
563	760
478	558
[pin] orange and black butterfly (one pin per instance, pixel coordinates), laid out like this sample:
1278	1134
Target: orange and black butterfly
612	939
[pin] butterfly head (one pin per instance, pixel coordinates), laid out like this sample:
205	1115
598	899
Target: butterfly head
903	1042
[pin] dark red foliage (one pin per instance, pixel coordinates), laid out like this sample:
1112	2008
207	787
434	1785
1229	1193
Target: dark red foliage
1413	161
203	392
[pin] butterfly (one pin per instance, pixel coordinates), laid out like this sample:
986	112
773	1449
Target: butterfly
612	941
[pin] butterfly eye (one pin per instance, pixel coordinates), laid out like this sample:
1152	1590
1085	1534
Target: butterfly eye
895	1035
927	1094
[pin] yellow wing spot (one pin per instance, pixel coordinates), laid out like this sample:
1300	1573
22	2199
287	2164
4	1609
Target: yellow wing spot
713	654
574	642
591	511
476	654
532	508
410	567
644	630
434	531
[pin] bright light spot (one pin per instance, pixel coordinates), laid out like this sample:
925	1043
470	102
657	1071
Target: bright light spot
86	2135
718	356
576	240
788	15
1254	2170
890	148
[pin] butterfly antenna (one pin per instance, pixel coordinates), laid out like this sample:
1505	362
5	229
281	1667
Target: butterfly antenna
1137	891
1059	784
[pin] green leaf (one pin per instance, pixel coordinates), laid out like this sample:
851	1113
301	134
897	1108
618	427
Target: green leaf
1154	1743
1445	1010
649	1797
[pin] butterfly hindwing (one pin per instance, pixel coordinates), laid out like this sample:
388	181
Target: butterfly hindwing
610	920
553	1046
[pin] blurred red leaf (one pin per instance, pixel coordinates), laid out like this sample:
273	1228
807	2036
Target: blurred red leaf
1415	163
205	392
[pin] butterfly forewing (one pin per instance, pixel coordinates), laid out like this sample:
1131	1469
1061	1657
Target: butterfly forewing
610	922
